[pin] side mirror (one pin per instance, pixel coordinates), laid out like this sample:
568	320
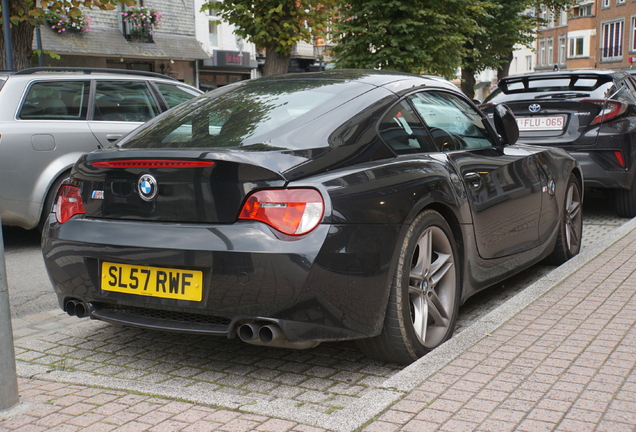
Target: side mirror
506	124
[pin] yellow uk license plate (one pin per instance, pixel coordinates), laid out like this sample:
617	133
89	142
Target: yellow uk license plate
152	281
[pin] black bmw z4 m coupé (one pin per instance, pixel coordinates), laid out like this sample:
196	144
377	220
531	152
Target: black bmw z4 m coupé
297	209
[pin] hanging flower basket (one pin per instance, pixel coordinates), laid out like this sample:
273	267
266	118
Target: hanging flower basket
62	21
141	21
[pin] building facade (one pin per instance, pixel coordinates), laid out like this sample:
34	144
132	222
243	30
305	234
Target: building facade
190	45
594	34
229	57
110	42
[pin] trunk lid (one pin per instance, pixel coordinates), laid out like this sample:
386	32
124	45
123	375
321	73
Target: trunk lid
177	186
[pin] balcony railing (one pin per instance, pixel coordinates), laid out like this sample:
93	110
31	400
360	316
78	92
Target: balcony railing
137	33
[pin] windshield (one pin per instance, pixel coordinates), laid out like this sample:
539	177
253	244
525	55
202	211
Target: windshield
248	114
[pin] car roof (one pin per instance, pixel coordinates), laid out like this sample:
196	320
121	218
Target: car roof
65	72
378	78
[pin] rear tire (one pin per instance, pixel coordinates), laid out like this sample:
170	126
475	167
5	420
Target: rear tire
626	202
571	226
425	293
50	199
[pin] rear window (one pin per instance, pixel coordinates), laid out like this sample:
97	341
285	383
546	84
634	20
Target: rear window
248	114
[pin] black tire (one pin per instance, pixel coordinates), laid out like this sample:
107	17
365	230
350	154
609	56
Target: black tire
571	226
625	202
425	294
50	199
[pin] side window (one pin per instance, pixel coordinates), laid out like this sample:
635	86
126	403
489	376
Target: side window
403	131
453	123
124	101
56	100
174	95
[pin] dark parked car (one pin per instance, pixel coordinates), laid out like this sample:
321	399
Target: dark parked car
589	113
297	209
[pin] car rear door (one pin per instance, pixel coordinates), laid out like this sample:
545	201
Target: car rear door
503	184
119	107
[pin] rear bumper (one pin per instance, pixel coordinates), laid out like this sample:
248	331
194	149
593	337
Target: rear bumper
329	285
598	174
598	161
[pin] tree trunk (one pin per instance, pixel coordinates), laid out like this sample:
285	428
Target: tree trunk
468	82
275	62
22	38
504	69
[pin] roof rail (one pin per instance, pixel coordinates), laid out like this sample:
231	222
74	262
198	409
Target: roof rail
34	70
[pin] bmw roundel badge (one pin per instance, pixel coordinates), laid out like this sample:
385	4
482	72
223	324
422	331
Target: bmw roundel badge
534	108
147	187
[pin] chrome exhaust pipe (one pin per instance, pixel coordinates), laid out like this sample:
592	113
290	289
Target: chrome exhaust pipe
76	308
270	335
249	332
80	309
69	307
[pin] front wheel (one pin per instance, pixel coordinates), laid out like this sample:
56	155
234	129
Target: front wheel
425	293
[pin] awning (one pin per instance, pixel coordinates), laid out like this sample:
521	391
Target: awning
110	42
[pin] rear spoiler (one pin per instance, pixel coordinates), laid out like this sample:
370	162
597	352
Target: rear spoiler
520	84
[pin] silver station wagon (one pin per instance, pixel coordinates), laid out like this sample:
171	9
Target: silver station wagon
51	116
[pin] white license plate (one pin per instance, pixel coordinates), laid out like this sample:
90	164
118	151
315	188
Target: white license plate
541	123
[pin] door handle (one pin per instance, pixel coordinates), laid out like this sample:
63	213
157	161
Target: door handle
113	137
473	180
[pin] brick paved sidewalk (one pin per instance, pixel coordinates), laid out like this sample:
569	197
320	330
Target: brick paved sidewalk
51	406
565	362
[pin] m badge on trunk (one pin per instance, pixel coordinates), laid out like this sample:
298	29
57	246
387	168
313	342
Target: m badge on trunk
147	186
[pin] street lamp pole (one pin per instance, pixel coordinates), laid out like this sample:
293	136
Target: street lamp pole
8	377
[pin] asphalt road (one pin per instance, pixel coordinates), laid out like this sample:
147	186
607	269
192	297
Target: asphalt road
30	290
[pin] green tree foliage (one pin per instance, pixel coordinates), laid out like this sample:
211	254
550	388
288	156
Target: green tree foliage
508	23
276	25
417	36
25	15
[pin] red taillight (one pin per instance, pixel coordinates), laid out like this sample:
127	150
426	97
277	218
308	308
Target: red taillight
610	109
68	204
291	211
158	163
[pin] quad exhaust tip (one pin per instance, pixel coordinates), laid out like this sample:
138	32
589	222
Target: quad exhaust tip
269	334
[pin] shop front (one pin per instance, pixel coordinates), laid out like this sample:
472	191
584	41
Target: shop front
225	67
